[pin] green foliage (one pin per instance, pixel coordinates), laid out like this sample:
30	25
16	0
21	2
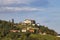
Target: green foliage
42	37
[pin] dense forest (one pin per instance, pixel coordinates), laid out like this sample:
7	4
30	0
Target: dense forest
6	34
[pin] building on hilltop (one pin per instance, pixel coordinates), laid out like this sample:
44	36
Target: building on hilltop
28	21
58	35
24	30
14	30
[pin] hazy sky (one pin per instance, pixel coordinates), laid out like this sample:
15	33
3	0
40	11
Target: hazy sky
45	12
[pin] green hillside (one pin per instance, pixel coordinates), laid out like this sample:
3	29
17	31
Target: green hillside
6	26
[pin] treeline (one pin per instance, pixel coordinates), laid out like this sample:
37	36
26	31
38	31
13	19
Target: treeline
47	30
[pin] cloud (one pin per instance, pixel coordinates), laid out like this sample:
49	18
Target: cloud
24	2
6	2
19	9
40	3
22	5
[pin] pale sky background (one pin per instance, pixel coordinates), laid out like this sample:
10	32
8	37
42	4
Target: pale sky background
45	12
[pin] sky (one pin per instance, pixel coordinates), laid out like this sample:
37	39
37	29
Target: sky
45	12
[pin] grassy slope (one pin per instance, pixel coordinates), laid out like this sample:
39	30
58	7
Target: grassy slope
43	37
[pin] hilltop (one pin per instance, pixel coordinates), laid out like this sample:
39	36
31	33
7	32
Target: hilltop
13	30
